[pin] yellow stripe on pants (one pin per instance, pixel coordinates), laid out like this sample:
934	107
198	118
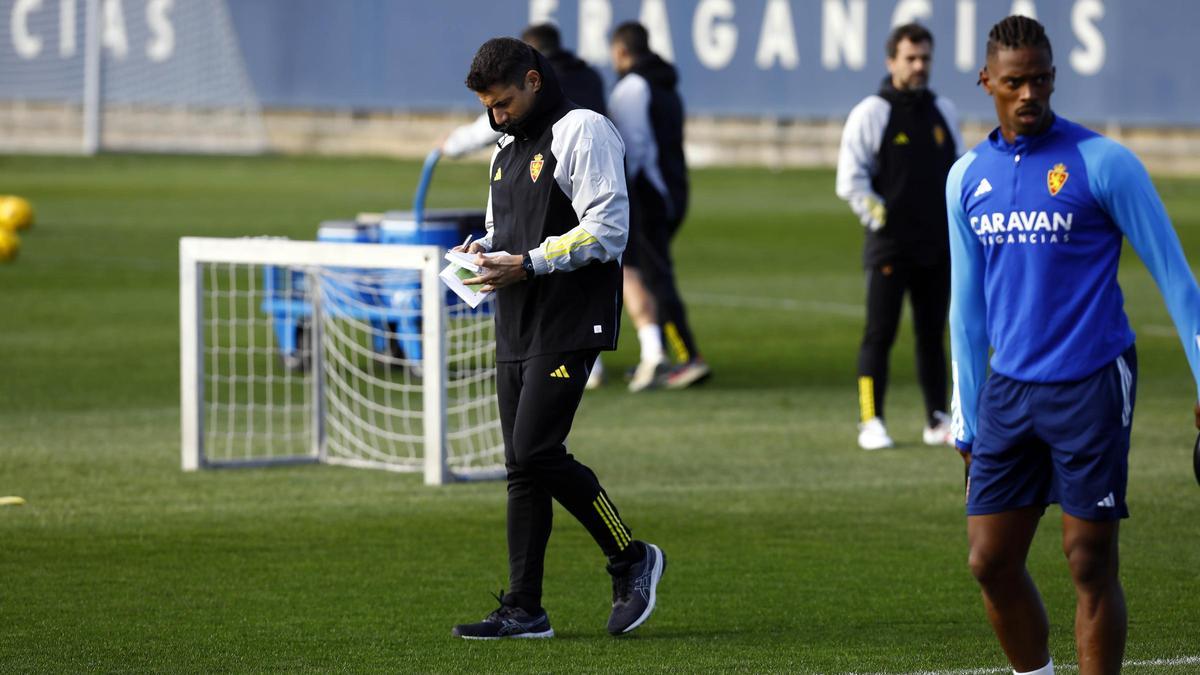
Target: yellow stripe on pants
678	347
612	530
866	397
612	512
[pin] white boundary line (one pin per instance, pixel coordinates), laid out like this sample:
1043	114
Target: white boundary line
787	304
843	309
1064	667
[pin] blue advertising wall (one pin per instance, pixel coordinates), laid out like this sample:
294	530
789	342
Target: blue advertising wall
1129	61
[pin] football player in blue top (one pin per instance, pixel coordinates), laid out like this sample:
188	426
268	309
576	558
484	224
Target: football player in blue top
1037	213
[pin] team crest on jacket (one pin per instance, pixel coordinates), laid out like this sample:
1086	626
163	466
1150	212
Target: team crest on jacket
535	167
939	135
1056	178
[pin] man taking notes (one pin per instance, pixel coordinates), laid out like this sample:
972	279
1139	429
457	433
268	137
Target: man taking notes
558	205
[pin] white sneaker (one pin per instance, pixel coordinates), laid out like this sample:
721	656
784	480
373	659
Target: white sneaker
648	375
873	435
940	433
596	377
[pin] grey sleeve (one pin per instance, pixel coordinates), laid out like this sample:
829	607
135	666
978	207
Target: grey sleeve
591	172
471	137
861	139
629	109
950	114
489	221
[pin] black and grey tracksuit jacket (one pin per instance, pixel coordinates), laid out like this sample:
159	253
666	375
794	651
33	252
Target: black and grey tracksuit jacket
558	193
648	111
897	147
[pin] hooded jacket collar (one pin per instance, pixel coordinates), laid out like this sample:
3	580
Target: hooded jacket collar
889	92
564	58
545	103
656	71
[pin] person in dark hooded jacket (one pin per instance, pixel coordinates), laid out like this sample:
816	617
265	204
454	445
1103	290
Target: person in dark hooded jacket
648	111
580	82
897	148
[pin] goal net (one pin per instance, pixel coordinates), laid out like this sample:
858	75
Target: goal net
347	354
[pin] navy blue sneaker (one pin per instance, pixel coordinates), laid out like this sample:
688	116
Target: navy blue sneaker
506	621
635	589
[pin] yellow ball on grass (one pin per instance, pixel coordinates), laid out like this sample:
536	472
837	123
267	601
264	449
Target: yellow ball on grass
10	243
16	213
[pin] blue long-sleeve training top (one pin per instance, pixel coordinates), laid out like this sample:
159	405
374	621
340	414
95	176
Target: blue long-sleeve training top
1035	238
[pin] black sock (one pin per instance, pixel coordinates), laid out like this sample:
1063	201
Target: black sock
621	562
524	601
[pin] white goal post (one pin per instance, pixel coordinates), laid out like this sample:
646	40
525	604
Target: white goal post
339	353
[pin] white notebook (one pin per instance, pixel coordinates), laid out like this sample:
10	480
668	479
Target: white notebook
462	266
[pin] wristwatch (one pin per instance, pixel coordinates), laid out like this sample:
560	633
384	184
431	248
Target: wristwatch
527	265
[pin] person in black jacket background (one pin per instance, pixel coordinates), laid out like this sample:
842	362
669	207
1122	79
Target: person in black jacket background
557	221
897	147
580	82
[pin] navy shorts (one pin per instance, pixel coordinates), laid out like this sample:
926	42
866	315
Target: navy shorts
1065	443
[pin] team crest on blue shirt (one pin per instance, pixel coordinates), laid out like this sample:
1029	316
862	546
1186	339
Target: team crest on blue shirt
535	167
1056	178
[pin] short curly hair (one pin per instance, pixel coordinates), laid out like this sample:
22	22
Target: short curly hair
1015	32
501	60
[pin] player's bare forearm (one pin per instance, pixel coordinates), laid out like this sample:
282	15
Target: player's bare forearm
499	271
966	458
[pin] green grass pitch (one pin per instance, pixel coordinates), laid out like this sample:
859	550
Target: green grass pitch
790	549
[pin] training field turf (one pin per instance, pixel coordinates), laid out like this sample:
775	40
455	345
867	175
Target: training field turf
789	548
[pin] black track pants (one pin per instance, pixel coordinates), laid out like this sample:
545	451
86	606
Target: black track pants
929	292
538	398
649	252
